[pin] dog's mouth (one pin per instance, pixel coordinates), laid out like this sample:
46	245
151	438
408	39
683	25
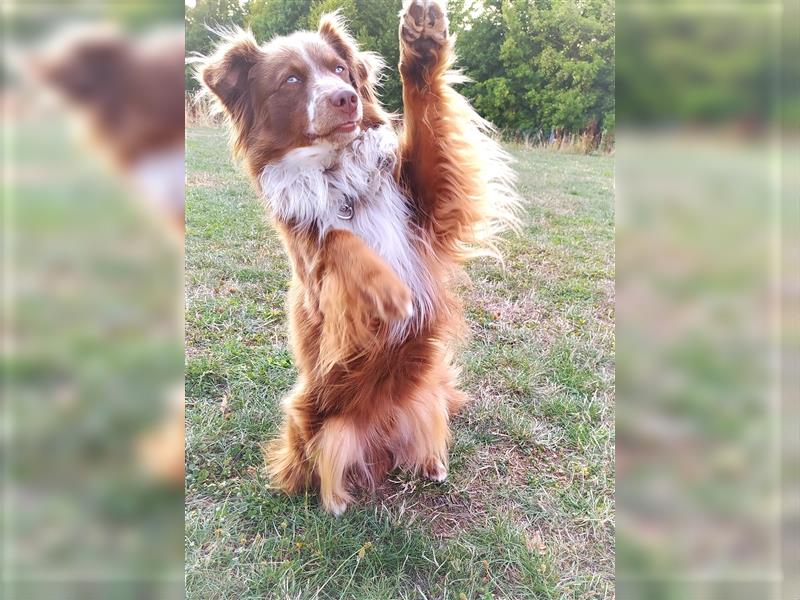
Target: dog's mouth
346	127
343	129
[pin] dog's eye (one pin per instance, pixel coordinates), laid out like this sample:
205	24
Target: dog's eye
292	79
339	69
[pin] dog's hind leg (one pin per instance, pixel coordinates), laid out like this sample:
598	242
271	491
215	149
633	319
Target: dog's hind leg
287	464
454	398
336	449
422	430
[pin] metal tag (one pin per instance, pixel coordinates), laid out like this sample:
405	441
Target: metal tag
345	211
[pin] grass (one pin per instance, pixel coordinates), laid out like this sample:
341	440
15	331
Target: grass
91	292
527	511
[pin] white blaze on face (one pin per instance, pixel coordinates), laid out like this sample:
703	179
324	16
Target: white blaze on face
321	84
313	75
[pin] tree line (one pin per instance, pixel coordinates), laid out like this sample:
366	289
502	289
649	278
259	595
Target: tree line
538	68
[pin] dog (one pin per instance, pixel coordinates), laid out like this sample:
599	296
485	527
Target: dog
377	221
126	92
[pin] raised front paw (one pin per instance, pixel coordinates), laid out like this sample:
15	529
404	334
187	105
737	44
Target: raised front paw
389	296
423	24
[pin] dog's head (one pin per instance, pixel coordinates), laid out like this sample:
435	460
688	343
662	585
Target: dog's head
127	90
293	91
85	66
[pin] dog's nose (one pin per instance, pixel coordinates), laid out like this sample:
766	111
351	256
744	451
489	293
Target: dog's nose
345	100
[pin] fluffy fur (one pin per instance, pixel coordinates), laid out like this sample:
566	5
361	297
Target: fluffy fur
372	313
127	95
309	185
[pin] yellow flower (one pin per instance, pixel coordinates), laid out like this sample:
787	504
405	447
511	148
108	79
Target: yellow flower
363	550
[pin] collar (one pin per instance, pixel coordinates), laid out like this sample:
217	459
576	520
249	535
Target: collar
384	164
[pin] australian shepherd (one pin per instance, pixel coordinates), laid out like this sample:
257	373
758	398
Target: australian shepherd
377	218
127	95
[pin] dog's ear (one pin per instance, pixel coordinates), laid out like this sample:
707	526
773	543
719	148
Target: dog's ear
87	68
333	30
365	67
225	73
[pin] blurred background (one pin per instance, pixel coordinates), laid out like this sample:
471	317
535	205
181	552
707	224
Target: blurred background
707	284
92	278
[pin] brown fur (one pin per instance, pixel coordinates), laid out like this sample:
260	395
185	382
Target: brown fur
128	92
129	95
362	406
128	89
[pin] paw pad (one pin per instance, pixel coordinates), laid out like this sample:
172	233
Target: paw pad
424	20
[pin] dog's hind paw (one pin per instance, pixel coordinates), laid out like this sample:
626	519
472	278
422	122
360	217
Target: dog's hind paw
335	506
435	470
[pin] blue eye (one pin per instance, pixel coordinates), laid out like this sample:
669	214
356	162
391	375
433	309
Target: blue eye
292	79
339	69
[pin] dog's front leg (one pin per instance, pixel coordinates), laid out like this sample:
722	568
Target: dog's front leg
439	156
426	49
358	293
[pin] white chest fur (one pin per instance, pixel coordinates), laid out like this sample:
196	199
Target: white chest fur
310	185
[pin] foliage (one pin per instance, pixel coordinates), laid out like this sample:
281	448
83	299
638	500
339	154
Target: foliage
539	65
535	66
270	18
206	16
678	67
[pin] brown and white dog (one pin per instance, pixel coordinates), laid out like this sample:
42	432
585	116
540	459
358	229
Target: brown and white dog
376	223
127	93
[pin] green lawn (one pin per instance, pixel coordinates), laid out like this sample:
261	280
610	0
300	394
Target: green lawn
528	509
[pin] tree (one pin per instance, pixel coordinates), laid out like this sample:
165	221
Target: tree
206	15
534	65
539	66
270	18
